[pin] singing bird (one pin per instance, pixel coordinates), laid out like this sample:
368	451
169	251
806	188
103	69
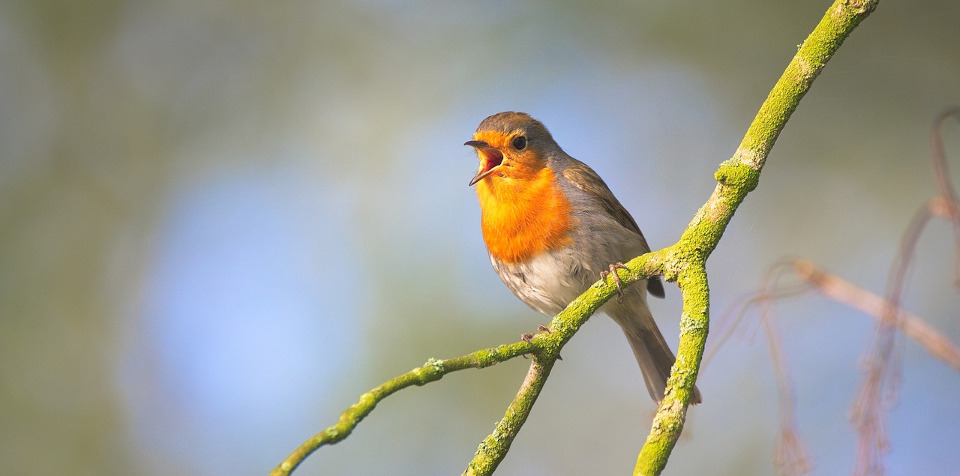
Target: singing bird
552	226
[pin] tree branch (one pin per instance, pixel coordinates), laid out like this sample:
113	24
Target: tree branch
494	447
432	371
736	177
912	326
684	262
547	350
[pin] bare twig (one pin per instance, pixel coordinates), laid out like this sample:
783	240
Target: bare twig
945	204
912	326
879	389
790	456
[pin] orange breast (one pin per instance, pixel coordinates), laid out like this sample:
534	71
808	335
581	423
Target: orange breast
524	215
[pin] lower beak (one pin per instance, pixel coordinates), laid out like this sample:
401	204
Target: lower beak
490	156
481	175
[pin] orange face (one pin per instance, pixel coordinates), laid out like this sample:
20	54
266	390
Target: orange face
499	152
523	211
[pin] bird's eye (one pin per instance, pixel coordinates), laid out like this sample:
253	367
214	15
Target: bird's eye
519	143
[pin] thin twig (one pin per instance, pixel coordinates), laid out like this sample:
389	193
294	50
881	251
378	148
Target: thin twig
879	389
432	371
912	326
946	204
495	446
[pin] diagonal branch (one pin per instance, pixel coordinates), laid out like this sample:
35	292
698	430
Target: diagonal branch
684	262
548	345
495	446
912	326
736	177
432	371
545	348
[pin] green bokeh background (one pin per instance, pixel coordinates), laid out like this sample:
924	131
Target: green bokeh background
221	222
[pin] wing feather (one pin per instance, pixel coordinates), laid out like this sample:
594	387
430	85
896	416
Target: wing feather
584	178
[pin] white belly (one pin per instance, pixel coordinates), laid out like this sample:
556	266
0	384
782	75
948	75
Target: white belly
549	281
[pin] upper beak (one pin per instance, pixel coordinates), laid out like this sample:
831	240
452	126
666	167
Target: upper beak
477	144
491	158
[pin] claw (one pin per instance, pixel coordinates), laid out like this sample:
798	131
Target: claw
616	279
528	336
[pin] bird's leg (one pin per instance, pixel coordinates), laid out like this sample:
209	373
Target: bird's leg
526	337
530	335
616	279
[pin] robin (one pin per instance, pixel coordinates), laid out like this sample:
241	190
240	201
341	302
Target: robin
552	227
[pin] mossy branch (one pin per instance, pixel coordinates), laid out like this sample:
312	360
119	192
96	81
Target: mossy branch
544	347
431	371
684	262
547	350
735	179
494	447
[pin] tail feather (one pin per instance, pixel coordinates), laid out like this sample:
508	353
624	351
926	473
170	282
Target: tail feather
651	350
655	359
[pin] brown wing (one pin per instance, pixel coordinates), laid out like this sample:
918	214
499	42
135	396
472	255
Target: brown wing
581	175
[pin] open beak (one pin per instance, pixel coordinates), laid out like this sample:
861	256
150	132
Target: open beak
490	159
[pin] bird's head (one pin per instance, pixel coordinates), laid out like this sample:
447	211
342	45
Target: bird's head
511	145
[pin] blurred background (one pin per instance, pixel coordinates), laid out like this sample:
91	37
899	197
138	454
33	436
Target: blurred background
220	223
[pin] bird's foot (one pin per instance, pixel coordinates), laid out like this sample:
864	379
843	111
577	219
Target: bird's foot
616	279
528	336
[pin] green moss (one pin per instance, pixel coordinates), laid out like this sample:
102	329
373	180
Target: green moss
737	175
684	262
